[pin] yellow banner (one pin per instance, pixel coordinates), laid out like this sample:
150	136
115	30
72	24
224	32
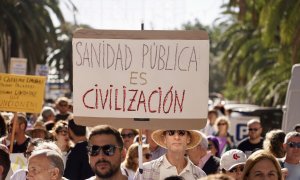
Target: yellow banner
20	93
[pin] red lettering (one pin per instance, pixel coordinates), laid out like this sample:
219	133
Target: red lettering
132	99
83	99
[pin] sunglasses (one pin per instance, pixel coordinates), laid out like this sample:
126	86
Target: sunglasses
108	150
236	169
253	129
147	156
63	104
179	132
27	154
129	135
294	144
222	124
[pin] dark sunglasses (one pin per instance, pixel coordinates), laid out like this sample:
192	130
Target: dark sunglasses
129	135
179	132
108	150
62	104
236	169
253	129
294	144
222	124
62	131
27	154
147	156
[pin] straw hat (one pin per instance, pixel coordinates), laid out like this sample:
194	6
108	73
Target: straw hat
37	126
158	138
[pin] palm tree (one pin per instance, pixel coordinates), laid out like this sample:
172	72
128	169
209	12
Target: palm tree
27	30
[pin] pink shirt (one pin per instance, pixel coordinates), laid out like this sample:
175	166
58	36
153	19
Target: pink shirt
204	159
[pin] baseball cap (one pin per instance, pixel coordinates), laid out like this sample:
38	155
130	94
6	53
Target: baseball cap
232	158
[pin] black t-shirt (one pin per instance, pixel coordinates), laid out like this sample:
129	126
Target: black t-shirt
77	164
21	148
61	117
247	147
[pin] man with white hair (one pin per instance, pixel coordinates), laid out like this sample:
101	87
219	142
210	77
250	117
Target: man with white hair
202	157
292	160
45	164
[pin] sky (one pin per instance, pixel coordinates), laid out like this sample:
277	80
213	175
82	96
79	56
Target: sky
129	14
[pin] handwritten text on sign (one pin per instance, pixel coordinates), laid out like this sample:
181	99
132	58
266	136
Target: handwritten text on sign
140	78
19	93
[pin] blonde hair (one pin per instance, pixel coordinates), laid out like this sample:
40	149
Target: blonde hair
258	156
220	119
132	153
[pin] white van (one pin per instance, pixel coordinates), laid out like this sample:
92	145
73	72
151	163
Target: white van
291	115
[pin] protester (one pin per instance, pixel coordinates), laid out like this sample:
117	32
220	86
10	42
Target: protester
156	150
225	139
209	129
297	128
262	165
128	136
61	138
254	140
213	146
38	131
45	164
4	161
48	117
3	130
232	163
21	174
273	143
292	159
62	105
131	163
21	139
77	164
105	152
203	158
174	161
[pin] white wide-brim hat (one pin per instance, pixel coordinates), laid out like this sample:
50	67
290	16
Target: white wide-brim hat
158	137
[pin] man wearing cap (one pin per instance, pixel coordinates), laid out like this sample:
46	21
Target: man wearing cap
232	163
4	162
174	162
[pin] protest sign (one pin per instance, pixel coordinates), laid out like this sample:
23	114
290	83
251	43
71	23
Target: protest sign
158	77
18	66
18	161
20	93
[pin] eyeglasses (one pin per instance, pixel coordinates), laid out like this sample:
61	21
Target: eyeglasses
236	169
62	131
62	104
294	144
179	132
27	154
253	129
129	135
222	124
108	150
147	156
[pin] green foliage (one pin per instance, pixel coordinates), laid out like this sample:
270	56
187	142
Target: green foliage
260	44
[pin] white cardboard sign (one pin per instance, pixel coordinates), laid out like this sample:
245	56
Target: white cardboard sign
140	78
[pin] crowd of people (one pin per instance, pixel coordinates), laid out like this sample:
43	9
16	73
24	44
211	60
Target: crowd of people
57	148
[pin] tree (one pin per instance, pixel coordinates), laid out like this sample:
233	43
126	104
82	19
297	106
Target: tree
216	75
259	48
27	30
